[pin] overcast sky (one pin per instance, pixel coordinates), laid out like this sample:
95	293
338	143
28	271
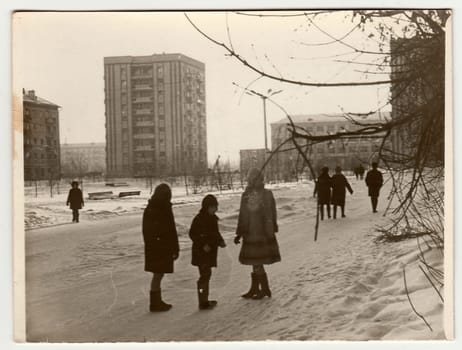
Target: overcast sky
60	56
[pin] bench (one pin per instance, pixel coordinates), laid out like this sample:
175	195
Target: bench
129	193
116	184
100	195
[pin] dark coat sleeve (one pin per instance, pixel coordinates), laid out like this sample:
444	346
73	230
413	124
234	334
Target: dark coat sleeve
68	198
274	212
173	235
242	220
195	232
147	227
368	178
81	196
347	184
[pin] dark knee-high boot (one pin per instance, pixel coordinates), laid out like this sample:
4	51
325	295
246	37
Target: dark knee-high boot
328	211
343	211
264	287
203	296
335	212
253	287
374	204
156	303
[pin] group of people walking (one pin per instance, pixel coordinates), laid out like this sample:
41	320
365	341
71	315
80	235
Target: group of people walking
332	190
256	228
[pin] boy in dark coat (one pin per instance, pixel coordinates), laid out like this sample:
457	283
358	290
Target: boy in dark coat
206	240
75	200
160	242
374	181
339	186
323	190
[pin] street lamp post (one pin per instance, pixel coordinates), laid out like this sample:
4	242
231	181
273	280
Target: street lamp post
269	94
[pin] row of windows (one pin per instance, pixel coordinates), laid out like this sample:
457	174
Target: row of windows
33	141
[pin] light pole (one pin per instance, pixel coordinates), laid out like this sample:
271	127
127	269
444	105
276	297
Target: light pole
269	93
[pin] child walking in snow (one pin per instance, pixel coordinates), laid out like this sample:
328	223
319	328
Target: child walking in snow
75	200
161	247
206	239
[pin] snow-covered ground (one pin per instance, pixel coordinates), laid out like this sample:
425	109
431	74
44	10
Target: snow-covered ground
85	282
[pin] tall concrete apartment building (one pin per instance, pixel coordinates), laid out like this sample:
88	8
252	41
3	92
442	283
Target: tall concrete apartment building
155	115
41	138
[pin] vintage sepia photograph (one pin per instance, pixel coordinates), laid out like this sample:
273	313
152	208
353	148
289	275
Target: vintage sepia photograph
233	175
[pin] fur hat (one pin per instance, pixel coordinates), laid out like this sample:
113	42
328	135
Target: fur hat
209	201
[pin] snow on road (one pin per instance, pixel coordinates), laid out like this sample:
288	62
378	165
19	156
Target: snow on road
85	282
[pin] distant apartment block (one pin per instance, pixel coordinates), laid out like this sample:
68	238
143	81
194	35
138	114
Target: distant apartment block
83	158
41	138
346	153
155	115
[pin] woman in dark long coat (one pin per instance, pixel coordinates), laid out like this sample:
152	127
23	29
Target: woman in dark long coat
323	190
339	186
257	225
160	242
75	200
206	240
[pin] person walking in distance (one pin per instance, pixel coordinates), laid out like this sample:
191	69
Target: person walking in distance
361	171
257	225
374	181
339	186
160	243
322	189
206	240
75	200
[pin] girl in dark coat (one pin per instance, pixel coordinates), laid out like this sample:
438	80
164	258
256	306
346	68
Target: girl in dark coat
75	200
339	186
160	242
323	190
257	225
206	240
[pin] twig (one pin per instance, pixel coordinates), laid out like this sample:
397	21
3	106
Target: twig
410	302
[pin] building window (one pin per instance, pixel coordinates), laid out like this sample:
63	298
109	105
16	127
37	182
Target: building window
160	71
331	128
320	128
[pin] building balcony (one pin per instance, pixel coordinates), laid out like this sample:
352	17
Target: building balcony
142	99
144	123
142	87
143	111
145	75
143	136
144	148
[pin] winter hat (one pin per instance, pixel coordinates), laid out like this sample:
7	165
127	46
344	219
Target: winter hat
209	201
338	169
255	177
325	170
162	195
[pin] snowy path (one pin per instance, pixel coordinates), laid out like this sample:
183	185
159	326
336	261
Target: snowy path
85	282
